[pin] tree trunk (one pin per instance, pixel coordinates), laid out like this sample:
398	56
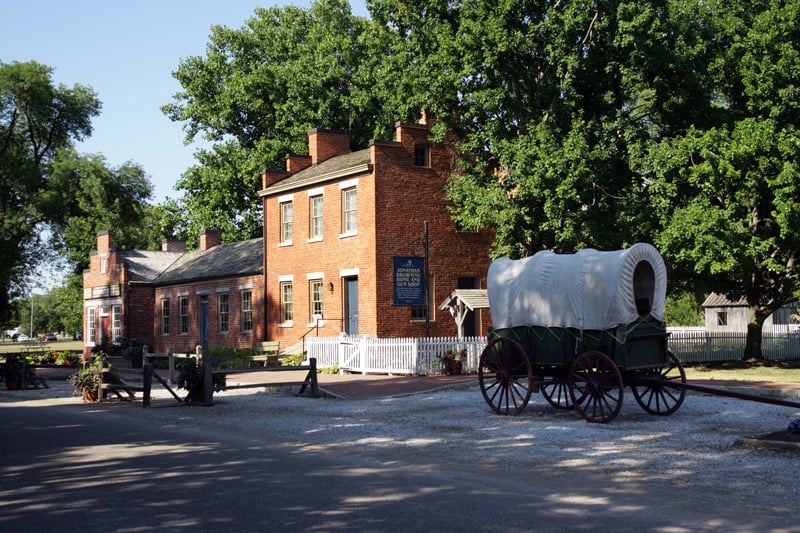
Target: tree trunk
752	347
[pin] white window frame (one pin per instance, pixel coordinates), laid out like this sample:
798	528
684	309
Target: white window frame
315	216
286	304
287	216
246	307
116	323
349	212
165	309
91	325
223	315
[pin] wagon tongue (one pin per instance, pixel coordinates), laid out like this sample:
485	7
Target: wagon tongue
716	391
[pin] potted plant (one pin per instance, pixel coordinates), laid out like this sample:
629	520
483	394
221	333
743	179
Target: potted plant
190	378
87	379
452	360
14	372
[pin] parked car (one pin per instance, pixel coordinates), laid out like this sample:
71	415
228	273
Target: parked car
22	338
49	337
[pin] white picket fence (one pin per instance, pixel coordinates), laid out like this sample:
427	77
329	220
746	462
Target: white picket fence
696	345
418	356
414	356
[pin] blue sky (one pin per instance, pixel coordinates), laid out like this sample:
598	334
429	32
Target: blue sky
126	52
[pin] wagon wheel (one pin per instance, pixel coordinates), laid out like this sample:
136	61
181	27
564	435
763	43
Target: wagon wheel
557	394
505	376
596	387
654	396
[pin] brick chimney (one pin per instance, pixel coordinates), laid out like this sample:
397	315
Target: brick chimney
104	242
209	238
324	144
270	177
296	163
173	245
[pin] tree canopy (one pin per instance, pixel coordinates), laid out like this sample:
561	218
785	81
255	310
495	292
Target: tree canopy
37	119
255	95
582	124
46	185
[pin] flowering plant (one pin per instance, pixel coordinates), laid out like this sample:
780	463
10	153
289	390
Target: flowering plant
794	426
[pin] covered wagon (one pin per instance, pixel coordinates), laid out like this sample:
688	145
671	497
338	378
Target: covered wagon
580	328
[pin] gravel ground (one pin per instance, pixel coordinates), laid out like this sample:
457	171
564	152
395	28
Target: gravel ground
700	445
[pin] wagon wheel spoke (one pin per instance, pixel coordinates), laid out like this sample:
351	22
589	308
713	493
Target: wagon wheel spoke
595	387
505	376
652	393
557	394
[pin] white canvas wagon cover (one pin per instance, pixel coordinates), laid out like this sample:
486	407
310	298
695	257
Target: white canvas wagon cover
586	290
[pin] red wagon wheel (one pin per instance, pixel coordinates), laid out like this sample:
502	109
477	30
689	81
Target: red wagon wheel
557	394
654	396
505	376
596	387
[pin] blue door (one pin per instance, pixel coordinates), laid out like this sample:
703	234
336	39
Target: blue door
351	305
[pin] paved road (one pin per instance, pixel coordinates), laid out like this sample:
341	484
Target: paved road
112	468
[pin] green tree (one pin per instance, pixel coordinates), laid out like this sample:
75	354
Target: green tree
257	93
554	101
85	196
728	190
37	119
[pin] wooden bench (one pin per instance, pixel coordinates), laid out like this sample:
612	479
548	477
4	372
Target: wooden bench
268	356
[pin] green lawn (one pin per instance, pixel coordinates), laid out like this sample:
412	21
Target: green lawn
25	347
775	371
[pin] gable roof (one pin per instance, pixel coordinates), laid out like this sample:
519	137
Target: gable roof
227	260
720	300
472	298
333	168
145	266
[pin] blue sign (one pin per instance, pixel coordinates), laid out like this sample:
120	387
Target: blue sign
409	281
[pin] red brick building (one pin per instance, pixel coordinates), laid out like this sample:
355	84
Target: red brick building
174	298
336	221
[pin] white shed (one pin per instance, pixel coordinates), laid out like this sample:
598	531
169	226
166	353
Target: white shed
725	315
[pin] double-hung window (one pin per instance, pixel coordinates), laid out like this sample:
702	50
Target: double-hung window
116	323
165	316
286	302
183	311
315	294
349	212
315	219
247	310
91	324
223	312
286	222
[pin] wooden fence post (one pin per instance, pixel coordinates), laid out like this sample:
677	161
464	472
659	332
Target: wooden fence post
147	383
208	376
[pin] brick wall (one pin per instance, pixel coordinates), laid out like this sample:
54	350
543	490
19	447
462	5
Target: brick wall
208	291
393	201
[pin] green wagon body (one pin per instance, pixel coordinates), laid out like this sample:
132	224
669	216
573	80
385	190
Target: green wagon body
633	346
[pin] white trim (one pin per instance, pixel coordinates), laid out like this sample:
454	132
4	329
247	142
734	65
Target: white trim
315	275
283	278
246	286
286	198
348	184
348	272
316	191
348	234
223	289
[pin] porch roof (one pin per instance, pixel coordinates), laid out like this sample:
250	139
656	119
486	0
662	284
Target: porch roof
472	299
